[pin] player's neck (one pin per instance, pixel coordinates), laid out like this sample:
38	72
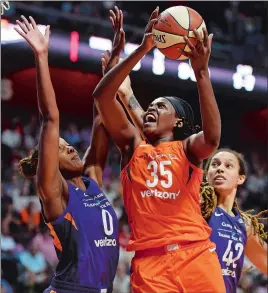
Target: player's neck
226	201
78	181
160	140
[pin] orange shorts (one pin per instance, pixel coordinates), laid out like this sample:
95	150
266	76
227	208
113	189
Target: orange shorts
192	268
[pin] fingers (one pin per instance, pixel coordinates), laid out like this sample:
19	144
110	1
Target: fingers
197	35
122	34
189	43
47	31
121	19
209	41
117	12
22	26
112	21
200	44
116	18
33	22
25	21
154	14
205	32
20	32
150	25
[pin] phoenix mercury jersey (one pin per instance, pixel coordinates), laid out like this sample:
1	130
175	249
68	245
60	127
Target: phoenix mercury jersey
86	238
230	236
161	197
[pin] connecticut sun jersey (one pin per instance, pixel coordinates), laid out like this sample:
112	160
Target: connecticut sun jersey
86	239
161	197
229	235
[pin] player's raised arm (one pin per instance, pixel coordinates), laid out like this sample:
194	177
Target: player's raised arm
120	129
96	155
49	180
127	97
203	144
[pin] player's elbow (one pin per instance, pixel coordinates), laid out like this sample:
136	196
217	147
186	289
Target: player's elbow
212	140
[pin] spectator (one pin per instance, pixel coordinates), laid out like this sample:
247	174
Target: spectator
34	269
11	137
30	217
72	136
44	243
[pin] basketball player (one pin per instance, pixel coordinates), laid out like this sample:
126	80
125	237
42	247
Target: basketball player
229	246
78	214
235	232
161	176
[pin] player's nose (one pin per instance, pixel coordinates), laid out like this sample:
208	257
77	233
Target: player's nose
70	150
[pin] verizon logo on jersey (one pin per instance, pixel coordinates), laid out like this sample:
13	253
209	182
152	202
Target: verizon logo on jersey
160	194
105	242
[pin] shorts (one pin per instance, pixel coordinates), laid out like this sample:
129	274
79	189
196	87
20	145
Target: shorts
67	287
193	268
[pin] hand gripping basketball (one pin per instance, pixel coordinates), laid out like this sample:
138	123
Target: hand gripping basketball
200	53
148	40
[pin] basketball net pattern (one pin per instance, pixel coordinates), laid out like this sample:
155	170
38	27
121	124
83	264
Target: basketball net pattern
4	6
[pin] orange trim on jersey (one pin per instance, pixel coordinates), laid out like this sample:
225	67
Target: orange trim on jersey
56	240
69	217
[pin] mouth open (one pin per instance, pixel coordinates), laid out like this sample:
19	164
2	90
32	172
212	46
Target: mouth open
219	179
75	158
149	118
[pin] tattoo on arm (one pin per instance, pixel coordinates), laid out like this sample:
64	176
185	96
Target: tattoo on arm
133	103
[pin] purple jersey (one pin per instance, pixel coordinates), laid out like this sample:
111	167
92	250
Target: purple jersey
229	235
86	240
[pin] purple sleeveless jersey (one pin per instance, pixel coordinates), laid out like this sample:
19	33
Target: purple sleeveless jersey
229	235
87	245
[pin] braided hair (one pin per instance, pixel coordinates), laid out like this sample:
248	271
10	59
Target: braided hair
29	164
209	199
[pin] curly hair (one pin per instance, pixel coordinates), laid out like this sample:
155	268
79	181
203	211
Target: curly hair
209	199
29	164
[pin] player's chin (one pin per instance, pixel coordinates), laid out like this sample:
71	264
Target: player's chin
220	188
149	129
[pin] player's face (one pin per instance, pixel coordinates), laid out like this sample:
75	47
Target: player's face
159	119
69	162
223	173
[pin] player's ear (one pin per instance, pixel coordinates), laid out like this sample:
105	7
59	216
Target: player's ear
178	123
241	179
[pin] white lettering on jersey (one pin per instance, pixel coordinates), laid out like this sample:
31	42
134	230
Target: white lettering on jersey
159	194
105	242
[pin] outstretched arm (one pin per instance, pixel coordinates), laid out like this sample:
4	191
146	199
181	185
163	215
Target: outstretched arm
49	180
127	97
120	129
96	155
203	144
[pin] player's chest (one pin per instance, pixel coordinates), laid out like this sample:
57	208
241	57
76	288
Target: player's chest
158	165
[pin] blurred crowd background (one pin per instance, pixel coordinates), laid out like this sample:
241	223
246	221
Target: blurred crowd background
27	254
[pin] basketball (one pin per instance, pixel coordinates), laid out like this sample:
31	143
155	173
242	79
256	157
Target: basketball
172	25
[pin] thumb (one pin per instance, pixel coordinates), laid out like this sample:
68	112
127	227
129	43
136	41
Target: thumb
210	37
47	31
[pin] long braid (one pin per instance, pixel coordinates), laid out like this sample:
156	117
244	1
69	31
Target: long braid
258	228
208	200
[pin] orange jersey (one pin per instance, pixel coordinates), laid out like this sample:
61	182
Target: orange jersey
161	197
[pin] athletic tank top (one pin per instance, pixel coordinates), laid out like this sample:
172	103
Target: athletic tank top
161	197
86	238
230	236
